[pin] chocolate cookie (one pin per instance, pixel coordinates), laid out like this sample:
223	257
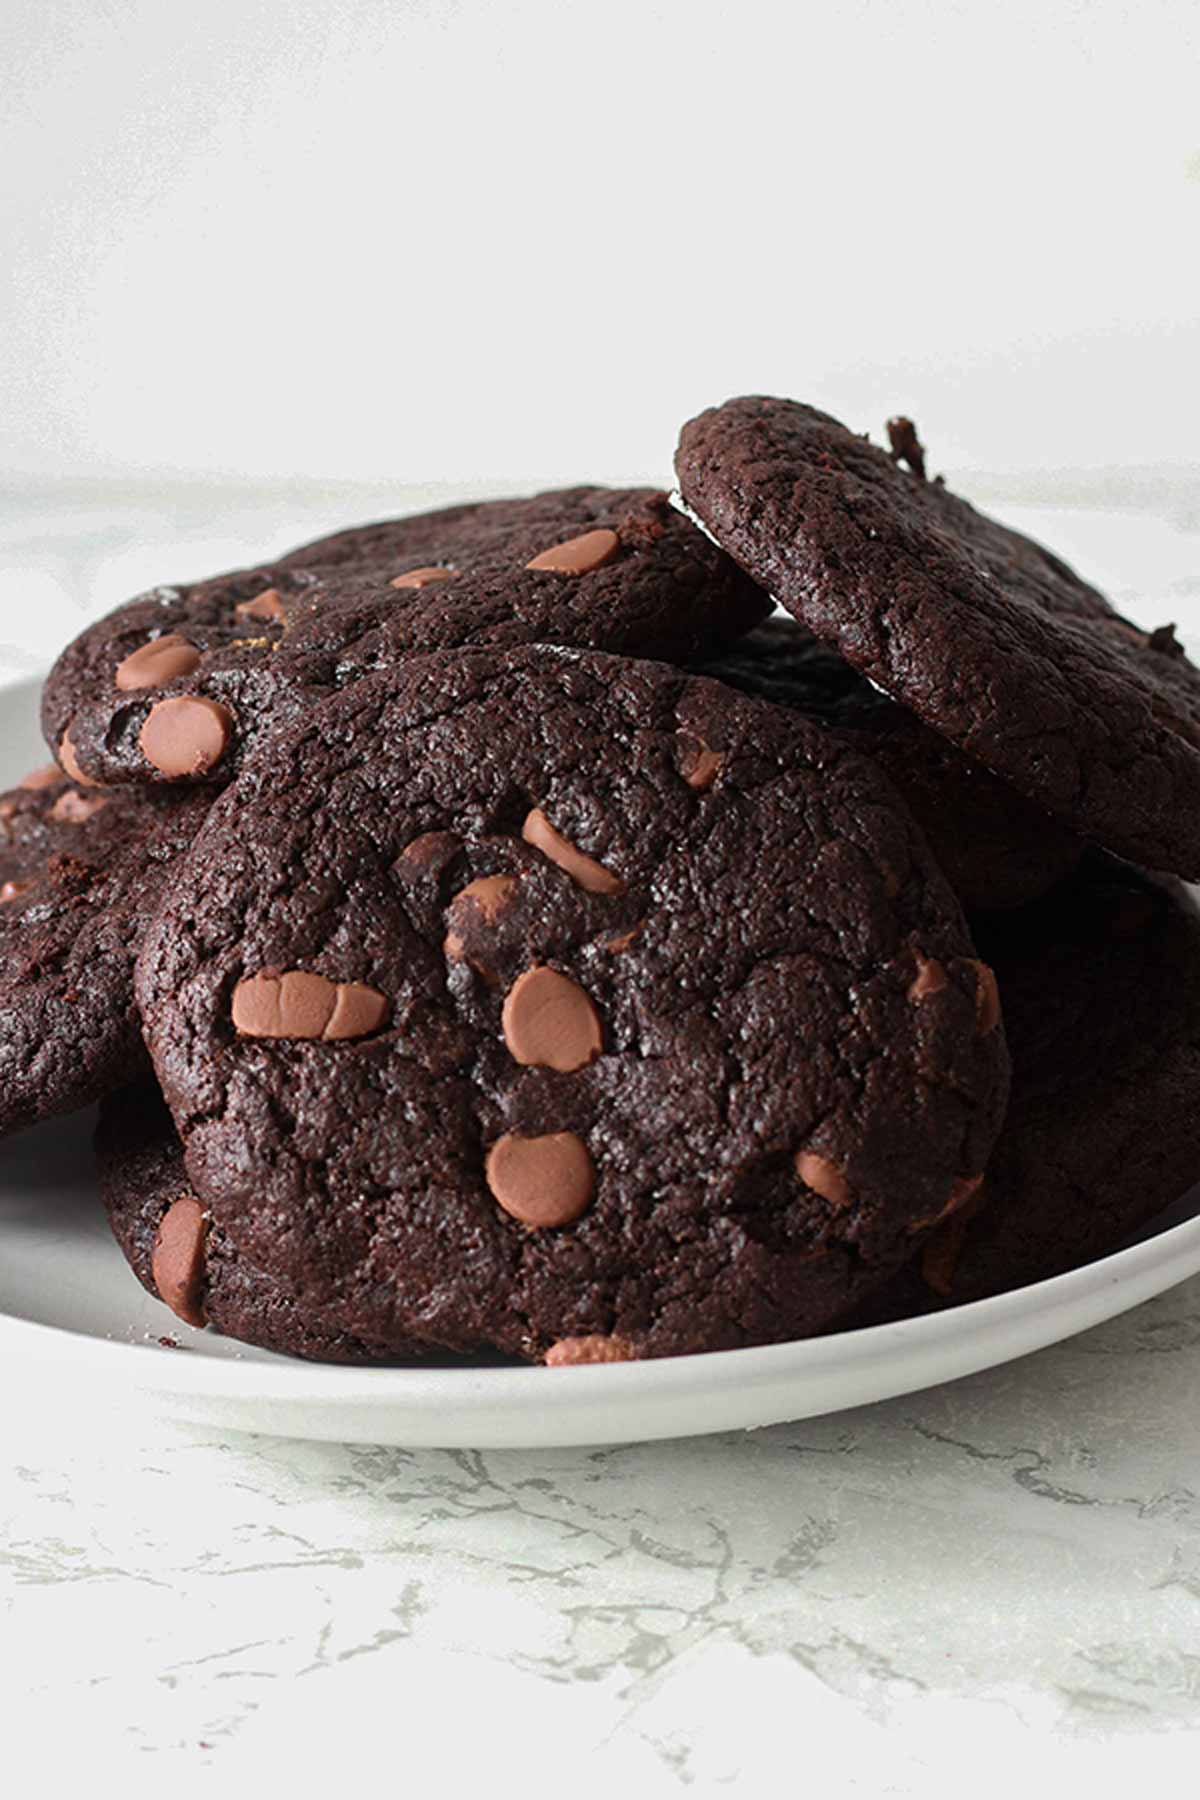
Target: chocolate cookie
991	640
997	849
1101	988
80	872
181	1255
572	1006
178	685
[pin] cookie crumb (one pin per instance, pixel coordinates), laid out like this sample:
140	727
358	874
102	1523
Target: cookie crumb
1164	641
906	445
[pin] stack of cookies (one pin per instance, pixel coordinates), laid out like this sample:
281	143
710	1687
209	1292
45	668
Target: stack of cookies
604	926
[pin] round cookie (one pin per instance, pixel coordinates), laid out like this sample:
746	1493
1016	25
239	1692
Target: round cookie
177	686
80	873
996	848
183	1256
572	1006
991	640
1101	988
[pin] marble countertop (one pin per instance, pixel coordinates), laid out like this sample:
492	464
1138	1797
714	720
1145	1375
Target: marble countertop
992	1582
989	1583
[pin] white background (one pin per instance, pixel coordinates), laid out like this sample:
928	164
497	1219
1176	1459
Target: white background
274	265
437	240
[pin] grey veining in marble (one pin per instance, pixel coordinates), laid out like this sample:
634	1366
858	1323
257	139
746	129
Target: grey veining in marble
987	1587
1007	1567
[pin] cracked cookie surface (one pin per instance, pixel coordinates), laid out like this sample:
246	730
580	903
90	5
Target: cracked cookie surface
80	874
1101	985
989	638
180	684
191	1265
996	848
571	1006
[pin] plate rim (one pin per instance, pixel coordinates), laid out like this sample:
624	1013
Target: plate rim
555	1406
1173	1252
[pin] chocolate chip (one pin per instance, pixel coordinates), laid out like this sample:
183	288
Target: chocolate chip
570	1352
960	1192
939	1258
428	847
906	446
930	979
987	999
429	855
76	809
472	913
622	941
70	761
265	608
162	660
302	1005
542	1181
701	766
579	555
549	1022
187	736
588	874
13	890
423	578
489	895
823	1177
50	775
178	1260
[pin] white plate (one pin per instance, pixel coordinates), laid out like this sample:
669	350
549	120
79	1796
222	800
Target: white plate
68	1303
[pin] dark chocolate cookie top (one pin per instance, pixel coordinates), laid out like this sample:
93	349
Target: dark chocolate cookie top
991	640
1101	989
997	849
80	872
545	999
181	1255
178	685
